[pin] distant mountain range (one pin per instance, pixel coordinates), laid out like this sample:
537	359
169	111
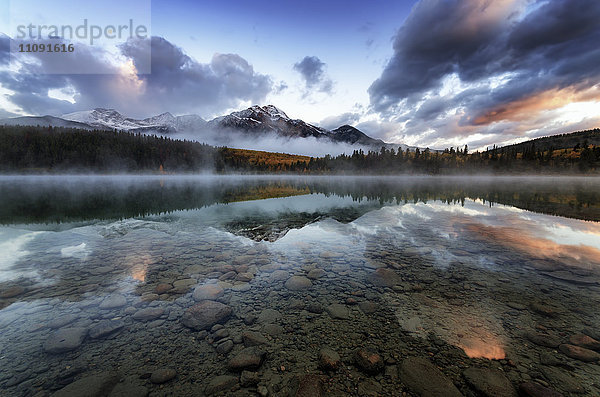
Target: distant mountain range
256	120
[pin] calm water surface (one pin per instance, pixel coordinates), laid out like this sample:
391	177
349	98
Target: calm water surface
245	286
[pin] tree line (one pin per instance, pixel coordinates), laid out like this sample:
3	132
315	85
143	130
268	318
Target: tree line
57	149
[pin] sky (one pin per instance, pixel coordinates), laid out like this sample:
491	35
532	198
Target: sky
430	73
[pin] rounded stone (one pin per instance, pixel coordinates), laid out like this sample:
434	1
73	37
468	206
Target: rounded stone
298	283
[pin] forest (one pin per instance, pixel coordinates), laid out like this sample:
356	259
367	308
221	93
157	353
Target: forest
59	150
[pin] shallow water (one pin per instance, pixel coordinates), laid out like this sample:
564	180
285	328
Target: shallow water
98	276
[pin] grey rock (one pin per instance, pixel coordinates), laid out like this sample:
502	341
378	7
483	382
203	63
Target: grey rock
98	385
148	314
249	378
368	360
532	389
113	302
269	316
329	359
221	383
248	358
65	340
225	347
425	379
489	382
208	292
298	283
579	353
106	328
310	386
252	338
338	311
163	375
205	314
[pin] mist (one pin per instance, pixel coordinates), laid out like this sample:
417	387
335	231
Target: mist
308	146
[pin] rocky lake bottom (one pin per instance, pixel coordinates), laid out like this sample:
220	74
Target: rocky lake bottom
305	295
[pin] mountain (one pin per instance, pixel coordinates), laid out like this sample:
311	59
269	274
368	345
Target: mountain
267	119
45	121
111	119
349	134
561	141
253	122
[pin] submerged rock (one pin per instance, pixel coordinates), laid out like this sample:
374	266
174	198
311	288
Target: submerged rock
298	283
148	314
579	353
106	328
205	314
383	277
248	358
543	339
162	375
425	379
208	292
252	338
93	386
338	311
65	340
310	386
585	341
113	302
329	359
368	360
532	389
489	382
221	383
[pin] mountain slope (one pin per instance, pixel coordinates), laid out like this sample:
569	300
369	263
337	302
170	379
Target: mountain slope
562	141
267	119
45	121
112	119
248	123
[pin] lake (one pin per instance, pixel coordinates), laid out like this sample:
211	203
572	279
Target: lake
308	286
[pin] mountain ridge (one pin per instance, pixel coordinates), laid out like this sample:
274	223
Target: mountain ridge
253	121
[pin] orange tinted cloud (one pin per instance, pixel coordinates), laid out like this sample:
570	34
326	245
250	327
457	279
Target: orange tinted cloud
523	109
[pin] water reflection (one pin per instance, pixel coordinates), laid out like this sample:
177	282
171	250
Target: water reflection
403	267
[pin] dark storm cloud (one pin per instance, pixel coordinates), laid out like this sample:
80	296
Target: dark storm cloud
312	70
177	83
538	48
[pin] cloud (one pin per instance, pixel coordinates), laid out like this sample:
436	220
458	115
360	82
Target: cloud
332	122
312	70
468	68
177	83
